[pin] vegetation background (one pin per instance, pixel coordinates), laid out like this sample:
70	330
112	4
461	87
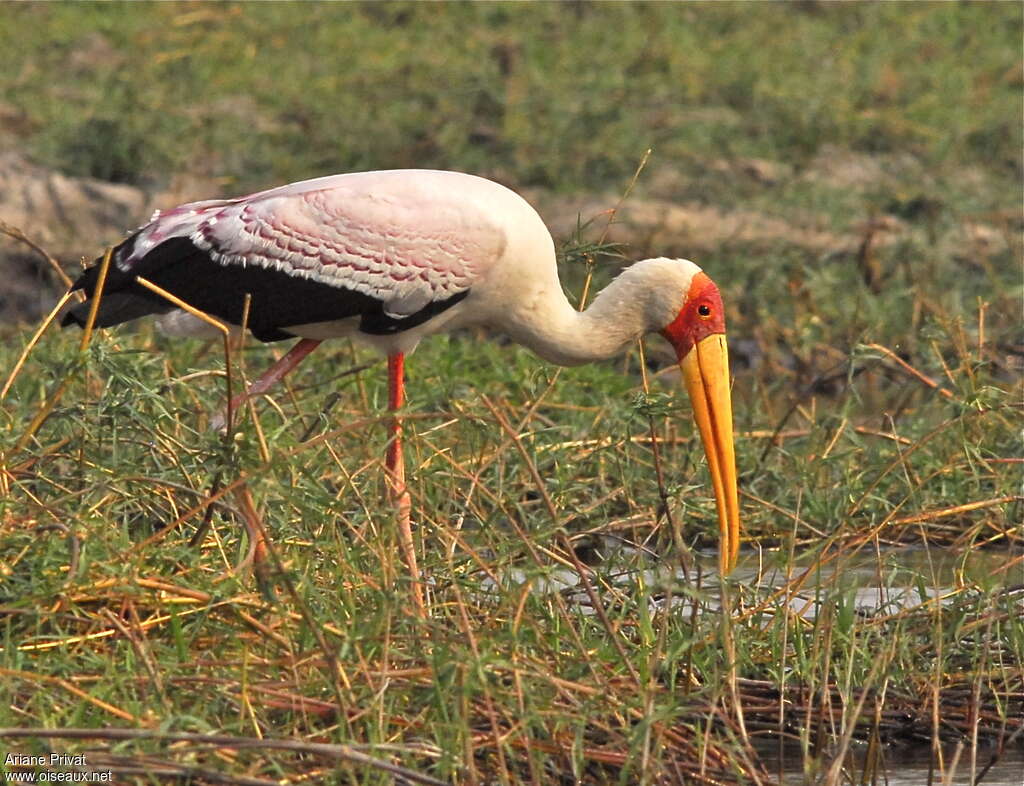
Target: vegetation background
850	174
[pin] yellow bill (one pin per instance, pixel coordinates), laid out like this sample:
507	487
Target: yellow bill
706	374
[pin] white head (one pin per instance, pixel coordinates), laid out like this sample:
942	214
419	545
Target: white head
671	297
662	284
681	303
677	300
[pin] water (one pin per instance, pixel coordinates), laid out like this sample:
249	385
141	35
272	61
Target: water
909	766
886	582
875	583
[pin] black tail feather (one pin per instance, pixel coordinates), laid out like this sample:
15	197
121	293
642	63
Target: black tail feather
115	308
278	299
122	299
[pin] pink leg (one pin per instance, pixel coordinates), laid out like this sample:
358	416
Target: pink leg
397	491
270	377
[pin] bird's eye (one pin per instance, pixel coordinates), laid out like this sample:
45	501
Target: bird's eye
704	310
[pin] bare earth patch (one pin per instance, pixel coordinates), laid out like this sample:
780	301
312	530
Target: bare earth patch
74	218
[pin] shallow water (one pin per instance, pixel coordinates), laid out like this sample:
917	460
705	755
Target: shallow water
875	583
882	582
909	766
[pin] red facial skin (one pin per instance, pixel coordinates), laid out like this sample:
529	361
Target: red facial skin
691	326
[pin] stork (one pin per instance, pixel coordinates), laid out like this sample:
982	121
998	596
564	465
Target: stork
391	257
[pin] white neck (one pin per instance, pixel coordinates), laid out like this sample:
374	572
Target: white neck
638	301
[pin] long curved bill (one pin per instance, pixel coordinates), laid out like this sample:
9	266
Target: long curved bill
706	374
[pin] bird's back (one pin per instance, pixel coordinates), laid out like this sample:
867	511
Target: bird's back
394	248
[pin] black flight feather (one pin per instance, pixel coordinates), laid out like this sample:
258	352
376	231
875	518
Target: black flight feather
278	299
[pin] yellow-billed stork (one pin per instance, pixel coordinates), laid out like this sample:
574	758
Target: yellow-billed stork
390	257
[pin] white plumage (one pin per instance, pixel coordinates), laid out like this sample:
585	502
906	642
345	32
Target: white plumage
367	231
390	257
408	238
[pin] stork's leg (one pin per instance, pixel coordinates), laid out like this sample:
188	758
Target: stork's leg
270	377
397	490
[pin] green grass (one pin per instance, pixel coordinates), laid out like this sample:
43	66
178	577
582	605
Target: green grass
856	472
562	97
507	678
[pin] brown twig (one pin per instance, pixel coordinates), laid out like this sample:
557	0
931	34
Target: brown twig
70	687
32	343
17	234
911	370
608	225
327	750
578	567
928	515
90	322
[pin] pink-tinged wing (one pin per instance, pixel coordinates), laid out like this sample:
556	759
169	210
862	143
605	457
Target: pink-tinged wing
404	238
